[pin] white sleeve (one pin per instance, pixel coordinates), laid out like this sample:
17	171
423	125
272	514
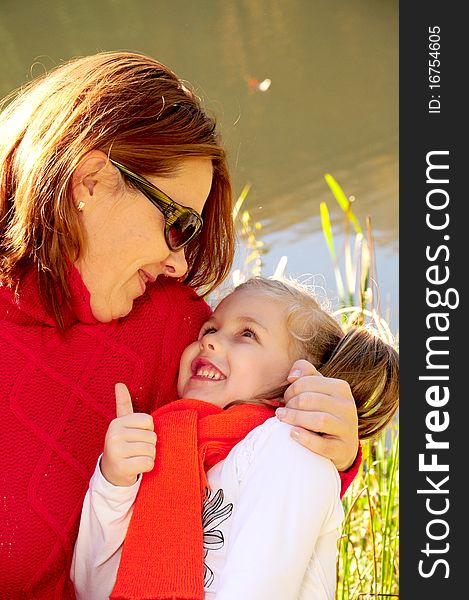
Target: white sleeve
104	521
286	497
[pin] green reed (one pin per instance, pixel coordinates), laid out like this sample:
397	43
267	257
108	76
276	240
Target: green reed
368	552
368	549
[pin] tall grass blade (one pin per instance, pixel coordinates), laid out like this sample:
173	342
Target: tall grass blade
343	201
350	276
327	230
279	271
241	198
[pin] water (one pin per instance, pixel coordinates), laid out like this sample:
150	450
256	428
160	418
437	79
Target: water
332	105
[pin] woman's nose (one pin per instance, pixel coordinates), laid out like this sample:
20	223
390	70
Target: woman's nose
175	265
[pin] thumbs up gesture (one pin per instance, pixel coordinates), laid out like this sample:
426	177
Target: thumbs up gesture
130	444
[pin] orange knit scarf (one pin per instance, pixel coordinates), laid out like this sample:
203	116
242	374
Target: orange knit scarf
162	556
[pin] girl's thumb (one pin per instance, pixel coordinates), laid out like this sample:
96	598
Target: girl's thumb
123	400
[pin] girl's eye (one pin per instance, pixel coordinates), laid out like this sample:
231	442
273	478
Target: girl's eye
206	331
249	333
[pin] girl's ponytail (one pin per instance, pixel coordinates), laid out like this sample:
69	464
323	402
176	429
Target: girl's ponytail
371	368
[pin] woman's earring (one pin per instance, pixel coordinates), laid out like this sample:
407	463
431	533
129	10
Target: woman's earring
80	206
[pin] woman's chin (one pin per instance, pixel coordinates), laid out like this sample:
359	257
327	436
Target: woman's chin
106	312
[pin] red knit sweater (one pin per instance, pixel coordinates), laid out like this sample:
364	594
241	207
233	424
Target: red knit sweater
57	398
56	401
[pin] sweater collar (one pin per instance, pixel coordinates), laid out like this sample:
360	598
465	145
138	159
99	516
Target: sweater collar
29	302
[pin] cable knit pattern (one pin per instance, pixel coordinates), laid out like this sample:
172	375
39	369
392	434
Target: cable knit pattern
57	398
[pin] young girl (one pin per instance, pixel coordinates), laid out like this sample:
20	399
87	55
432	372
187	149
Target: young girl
227	476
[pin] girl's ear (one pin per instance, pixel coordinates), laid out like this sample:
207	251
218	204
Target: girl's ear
93	169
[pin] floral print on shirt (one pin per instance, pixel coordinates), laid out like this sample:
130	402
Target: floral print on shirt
213	514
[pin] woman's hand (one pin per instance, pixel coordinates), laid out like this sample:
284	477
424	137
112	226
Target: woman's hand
324	413
130	444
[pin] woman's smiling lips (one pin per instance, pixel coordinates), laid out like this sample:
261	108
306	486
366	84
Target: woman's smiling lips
205	370
145	277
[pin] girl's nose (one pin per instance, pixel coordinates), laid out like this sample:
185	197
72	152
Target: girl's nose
208	342
175	265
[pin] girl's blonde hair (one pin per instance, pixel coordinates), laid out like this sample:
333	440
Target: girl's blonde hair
138	112
359	356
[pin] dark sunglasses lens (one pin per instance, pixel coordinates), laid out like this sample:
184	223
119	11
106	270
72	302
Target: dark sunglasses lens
182	230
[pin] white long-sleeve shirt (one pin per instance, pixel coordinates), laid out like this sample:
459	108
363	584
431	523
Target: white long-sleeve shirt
271	524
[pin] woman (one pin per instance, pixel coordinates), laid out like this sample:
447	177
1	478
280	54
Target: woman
98	269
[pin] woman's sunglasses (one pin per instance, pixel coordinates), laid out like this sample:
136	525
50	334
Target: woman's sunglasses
182	223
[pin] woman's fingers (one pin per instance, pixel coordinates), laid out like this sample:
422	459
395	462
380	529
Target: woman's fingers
330	447
302	367
331	431
322	385
324	414
316	421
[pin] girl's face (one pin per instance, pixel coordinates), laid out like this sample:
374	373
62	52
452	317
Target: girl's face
125	246
243	350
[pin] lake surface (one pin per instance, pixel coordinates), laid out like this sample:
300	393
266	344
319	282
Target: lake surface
332	106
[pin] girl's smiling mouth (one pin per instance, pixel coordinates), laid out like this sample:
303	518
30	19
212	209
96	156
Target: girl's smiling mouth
205	370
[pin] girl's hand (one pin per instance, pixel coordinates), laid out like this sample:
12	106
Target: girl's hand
130	444
324	412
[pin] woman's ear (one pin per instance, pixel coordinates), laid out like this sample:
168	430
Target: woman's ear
94	168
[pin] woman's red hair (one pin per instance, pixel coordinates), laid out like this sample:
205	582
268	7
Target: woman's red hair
138	112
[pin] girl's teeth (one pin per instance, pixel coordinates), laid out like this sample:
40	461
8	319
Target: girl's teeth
208	373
